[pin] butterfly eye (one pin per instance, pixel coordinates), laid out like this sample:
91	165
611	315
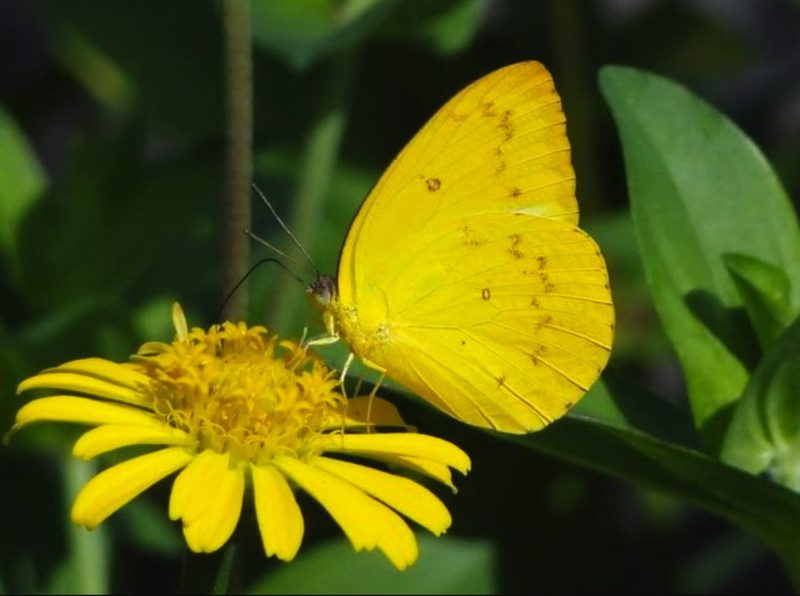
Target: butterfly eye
322	290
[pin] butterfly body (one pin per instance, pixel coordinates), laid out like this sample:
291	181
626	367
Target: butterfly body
464	276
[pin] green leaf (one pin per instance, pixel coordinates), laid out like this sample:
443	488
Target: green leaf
612	435
764	434
765	292
305	30
446	26
618	402
146	56
446	565
626	431
699	189
22	181
100	76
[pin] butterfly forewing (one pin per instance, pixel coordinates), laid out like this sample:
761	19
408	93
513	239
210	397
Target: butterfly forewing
499	145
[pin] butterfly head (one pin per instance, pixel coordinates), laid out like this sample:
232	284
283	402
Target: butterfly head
322	291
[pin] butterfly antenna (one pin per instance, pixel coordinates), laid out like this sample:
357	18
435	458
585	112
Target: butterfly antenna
249	272
286	228
275	249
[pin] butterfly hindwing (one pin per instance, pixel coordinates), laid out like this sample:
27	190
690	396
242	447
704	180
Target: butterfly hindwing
514	332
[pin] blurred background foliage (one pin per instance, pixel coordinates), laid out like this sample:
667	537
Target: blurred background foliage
111	153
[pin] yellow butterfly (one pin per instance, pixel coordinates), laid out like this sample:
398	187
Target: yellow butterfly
464	276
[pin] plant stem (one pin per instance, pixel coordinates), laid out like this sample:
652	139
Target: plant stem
572	79
88	550
223	580
239	150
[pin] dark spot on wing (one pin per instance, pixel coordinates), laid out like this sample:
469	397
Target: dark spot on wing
545	320
514	250
516	191
537	354
434	184
486	293
547	285
501	380
506	126
470	238
542	262
568	405
487	111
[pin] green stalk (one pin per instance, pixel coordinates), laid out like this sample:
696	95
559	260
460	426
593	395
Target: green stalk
572	75
239	151
89	560
319	163
223	580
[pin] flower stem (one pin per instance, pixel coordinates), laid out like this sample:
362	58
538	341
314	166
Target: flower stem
225	570
88	559
239	150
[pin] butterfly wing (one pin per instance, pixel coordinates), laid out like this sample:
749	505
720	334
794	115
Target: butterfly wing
464	274
499	145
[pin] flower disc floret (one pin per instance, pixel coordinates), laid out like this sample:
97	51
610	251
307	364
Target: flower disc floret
241	390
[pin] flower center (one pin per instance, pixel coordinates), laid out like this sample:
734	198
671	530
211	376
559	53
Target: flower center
243	391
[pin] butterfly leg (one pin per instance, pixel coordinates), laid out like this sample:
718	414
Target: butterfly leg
321	340
345	370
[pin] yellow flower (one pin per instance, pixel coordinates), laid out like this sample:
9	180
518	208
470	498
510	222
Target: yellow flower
234	406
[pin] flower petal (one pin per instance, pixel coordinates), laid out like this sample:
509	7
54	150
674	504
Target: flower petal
425	467
113	436
150	348
279	517
193	480
365	521
381	413
68	381
68	408
113	372
210	499
179	321
404	495
407	444
114	487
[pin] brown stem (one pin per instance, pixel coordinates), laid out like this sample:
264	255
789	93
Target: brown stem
239	151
